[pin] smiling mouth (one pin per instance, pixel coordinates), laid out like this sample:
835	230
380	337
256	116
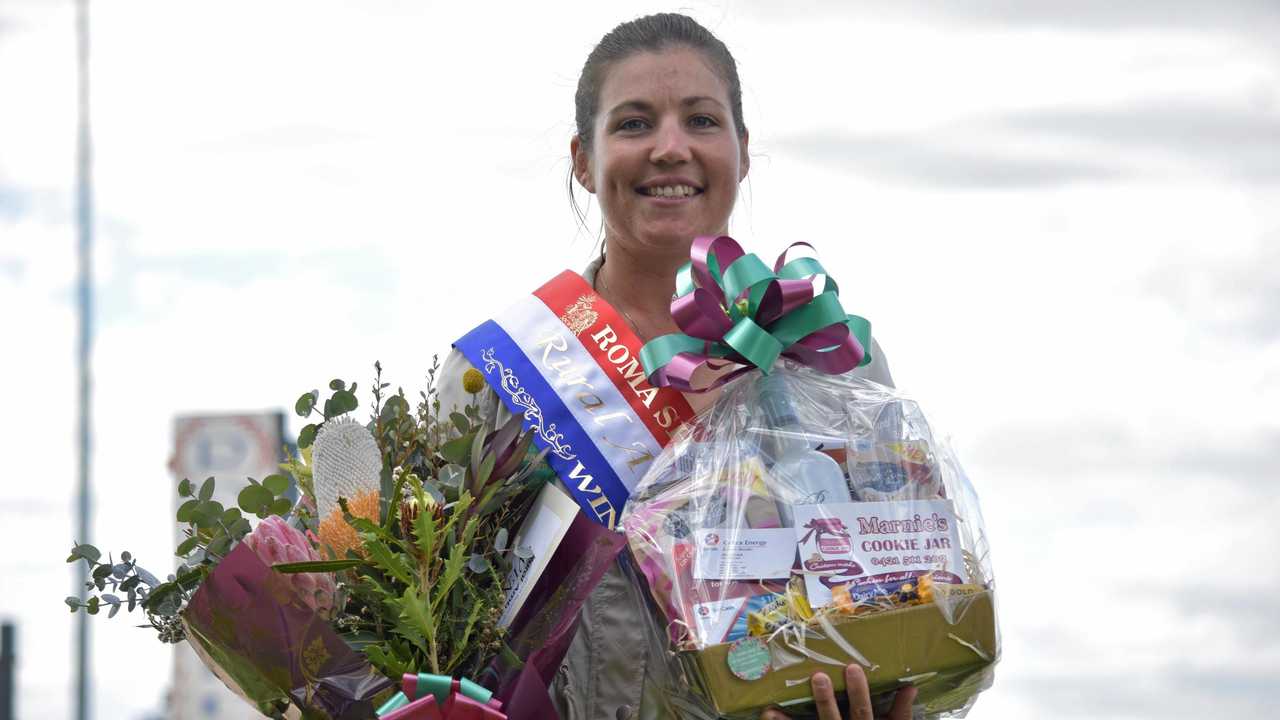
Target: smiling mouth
674	192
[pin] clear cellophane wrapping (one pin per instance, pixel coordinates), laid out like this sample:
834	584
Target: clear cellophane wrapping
804	522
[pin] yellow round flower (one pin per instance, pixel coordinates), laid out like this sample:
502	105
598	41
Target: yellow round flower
472	381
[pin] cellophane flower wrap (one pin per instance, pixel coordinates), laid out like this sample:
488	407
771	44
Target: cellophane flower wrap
803	522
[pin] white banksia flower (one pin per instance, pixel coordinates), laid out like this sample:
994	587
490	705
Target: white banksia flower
345	462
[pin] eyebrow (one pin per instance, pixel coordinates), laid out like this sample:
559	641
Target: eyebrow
642	106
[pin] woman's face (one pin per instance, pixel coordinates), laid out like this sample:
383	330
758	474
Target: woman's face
666	158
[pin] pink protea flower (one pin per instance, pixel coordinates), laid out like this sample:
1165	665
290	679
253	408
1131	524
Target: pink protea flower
275	541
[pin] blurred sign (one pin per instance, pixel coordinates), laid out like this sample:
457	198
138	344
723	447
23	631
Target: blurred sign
228	448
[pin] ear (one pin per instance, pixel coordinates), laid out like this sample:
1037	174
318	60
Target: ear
744	156
582	164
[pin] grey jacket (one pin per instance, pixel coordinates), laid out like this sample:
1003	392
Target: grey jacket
617	666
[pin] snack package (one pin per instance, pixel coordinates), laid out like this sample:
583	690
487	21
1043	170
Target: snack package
803	522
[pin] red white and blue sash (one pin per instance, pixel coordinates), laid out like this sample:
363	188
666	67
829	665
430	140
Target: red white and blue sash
566	361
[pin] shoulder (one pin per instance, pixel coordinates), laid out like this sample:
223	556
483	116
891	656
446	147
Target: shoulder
449	381
877	370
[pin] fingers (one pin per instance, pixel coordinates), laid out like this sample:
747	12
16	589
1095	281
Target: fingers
855	684
902	702
855	681
825	698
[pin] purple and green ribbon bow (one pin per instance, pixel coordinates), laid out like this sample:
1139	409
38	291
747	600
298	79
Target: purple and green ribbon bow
733	309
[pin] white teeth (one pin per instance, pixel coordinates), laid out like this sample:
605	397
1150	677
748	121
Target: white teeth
671	191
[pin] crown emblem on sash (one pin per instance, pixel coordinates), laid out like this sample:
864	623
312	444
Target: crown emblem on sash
580	315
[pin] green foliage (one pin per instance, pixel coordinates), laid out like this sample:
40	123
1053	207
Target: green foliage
425	589
211	532
433	570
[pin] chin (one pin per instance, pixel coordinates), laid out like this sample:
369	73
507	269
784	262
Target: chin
675	237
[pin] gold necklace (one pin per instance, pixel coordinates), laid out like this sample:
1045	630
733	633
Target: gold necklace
600	287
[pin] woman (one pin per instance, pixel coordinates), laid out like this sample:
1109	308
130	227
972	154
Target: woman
662	145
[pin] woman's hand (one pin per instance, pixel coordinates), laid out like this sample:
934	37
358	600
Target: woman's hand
855	683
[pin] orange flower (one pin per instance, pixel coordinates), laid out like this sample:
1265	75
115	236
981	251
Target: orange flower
336	533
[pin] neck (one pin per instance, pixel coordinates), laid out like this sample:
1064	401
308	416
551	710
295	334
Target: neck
641	286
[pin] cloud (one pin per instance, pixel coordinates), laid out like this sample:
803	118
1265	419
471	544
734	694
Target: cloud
279	138
1088	446
14	202
1235	297
1241	139
1051	147
939	162
1104	14
1250	16
1168	693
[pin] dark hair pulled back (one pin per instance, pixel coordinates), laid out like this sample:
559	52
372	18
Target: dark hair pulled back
651	33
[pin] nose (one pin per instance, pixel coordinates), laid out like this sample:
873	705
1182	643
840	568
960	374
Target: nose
670	144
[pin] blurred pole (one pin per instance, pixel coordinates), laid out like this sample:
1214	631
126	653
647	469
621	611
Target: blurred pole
84	196
8	663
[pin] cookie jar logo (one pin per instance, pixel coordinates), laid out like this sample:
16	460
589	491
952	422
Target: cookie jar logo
834	545
711	539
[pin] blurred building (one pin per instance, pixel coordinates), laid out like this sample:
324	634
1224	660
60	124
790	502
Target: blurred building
228	448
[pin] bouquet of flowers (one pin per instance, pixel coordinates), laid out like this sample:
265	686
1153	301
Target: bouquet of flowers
385	556
808	519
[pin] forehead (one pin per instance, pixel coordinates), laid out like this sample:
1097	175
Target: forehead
656	78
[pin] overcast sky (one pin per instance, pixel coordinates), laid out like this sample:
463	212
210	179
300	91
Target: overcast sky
1064	225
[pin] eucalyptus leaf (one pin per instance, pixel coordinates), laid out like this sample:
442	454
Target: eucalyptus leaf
337	384
452	476
500	540
184	488
460	422
281	506
277	484
524	552
477	563
253	498
306	436
146	577
430	488
344	401
186	510
207	514
88	552
220	545
206	489
187	546
303	406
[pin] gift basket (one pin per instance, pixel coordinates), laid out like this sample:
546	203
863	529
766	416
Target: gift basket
806	520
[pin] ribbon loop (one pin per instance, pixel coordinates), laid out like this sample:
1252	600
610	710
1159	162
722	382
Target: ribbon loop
732	309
